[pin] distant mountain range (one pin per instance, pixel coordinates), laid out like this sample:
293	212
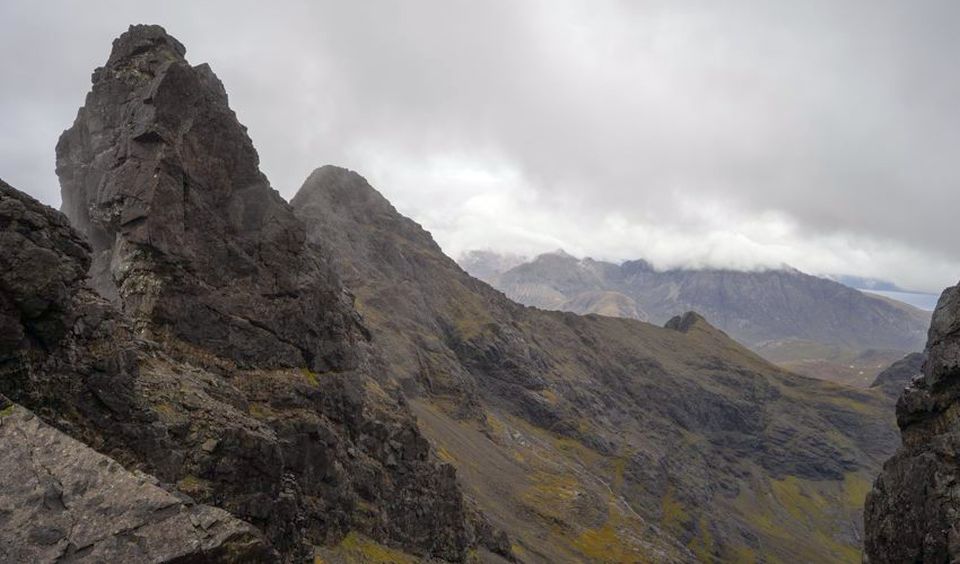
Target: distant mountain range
811	324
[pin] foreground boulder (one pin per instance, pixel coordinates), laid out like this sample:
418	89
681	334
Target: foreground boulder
62	501
913	512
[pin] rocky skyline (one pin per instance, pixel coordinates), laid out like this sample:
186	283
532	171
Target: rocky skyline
754	134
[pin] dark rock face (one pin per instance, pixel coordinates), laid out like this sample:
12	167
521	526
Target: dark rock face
186	232
62	501
303	456
231	364
35	282
912	513
898	376
688	431
61	342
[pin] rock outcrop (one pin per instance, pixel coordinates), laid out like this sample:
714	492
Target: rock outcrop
63	502
913	512
186	232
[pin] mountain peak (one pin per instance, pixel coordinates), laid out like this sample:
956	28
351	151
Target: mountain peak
686	322
160	175
346	185
144	39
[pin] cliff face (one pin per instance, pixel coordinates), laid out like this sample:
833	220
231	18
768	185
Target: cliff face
912	513
70	355
592	438
187	234
219	354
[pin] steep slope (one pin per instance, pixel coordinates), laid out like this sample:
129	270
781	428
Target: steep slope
807	324
597	437
238	371
912	512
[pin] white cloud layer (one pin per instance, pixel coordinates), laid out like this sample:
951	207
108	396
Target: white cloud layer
742	134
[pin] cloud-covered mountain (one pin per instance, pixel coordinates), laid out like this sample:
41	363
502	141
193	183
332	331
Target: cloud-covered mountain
812	324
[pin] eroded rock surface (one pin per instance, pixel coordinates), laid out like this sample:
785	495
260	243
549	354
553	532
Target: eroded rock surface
186	232
913	512
62	501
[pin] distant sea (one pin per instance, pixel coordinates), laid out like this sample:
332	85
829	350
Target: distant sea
922	301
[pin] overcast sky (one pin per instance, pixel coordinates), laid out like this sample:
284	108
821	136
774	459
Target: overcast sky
823	135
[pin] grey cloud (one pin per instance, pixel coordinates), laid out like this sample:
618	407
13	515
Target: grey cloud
737	133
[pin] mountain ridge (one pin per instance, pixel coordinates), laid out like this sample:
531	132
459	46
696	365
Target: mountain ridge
810	325
528	374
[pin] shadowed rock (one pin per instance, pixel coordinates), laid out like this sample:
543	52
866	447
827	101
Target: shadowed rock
913	512
62	501
186	232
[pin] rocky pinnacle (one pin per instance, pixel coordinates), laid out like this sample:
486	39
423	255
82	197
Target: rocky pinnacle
187	233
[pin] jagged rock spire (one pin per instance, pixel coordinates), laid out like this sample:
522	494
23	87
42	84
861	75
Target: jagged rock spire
186	231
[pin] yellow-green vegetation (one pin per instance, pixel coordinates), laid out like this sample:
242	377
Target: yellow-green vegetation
559	499
609	542
783	511
743	555
310	376
551	495
856	486
703	544
192	485
606	544
260	410
673	516
469	319
496	425
801	502
7	410
165	409
550	396
358	549
444	455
